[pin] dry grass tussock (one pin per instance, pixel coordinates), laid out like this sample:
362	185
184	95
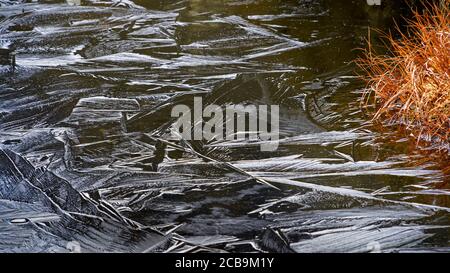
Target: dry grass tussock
411	86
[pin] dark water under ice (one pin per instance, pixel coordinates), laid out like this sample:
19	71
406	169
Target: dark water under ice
81	115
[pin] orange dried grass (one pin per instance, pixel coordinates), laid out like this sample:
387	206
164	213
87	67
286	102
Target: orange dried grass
412	87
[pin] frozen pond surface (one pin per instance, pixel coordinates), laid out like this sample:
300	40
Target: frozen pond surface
84	118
